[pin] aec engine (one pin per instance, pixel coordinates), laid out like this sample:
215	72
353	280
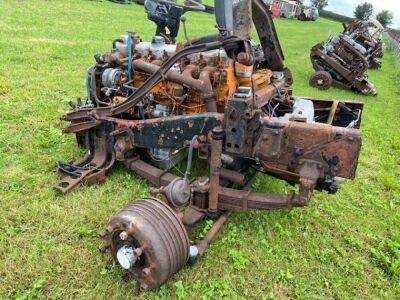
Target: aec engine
201	82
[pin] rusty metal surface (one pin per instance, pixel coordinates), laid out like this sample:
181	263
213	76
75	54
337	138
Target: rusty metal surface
91	170
370	39
268	37
192	216
335	149
235	17
232	176
347	57
230	100
173	131
84	114
202	245
215	167
155	229
156	176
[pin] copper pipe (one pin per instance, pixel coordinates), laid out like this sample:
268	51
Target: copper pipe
211	234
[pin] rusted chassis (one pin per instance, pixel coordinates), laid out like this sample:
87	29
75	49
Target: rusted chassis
305	154
149	238
312	155
344	76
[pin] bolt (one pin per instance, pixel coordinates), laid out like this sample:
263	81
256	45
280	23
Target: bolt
146	272
123	235
204	181
351	138
138	252
143	287
335	169
276	132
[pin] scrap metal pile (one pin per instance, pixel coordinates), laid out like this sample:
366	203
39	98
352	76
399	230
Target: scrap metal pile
151	105
345	59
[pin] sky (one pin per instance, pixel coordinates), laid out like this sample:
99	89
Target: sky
346	7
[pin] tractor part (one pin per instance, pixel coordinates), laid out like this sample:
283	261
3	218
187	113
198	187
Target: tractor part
321	80
344	60
375	64
167	15
92	169
368	34
148	240
348	56
152	104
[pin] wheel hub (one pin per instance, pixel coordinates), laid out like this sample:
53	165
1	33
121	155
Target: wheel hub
321	80
126	257
148	240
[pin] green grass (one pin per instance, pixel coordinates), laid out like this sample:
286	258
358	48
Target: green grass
341	247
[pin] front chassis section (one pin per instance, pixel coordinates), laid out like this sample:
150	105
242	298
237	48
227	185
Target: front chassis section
314	156
261	128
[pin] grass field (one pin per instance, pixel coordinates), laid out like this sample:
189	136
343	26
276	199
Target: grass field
345	246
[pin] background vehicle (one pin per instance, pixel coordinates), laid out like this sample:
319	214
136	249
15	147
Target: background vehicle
308	14
285	8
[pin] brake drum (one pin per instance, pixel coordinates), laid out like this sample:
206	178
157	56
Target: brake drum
148	240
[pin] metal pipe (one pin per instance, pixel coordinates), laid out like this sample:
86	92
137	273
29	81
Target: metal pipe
263	96
81	115
215	168
232	176
208	97
190	155
202	85
211	234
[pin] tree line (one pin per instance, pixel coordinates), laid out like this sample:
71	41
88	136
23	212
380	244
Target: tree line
363	11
